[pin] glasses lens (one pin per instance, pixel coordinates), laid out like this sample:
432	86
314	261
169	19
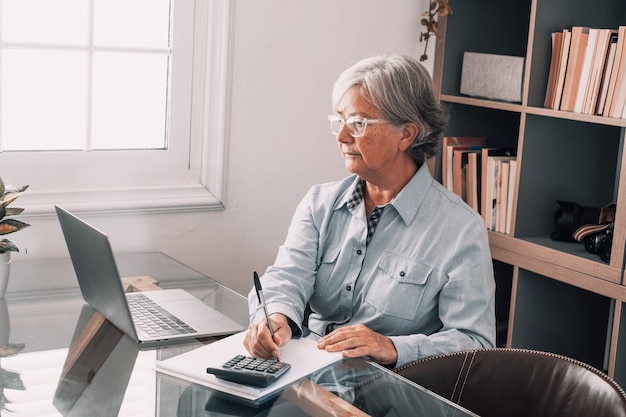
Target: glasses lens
335	124
356	126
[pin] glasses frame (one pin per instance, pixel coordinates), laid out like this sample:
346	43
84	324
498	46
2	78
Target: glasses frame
349	122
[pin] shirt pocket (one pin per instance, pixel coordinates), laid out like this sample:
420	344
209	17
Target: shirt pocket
326	266
398	286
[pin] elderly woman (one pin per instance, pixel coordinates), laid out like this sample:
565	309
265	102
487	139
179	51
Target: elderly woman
392	265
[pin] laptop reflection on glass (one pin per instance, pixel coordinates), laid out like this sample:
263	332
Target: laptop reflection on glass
183	316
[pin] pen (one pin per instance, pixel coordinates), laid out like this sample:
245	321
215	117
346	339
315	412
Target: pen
259	294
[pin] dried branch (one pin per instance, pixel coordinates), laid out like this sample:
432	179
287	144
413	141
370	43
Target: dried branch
437	9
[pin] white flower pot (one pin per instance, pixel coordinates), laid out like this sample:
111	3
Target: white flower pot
5	269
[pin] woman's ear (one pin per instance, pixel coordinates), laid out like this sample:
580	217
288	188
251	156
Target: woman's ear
409	132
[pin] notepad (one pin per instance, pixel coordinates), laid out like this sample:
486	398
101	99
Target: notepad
302	354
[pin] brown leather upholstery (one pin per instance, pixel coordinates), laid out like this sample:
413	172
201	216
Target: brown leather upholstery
519	382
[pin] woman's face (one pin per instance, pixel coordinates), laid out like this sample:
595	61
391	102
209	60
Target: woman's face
380	149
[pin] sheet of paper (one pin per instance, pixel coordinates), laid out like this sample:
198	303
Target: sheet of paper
302	354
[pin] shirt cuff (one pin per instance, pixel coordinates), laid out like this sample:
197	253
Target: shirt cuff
406	348
296	332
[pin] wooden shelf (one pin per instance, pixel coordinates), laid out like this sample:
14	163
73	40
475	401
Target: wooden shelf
565	255
539	111
560	297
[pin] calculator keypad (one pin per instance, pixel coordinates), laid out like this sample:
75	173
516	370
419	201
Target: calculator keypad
251	371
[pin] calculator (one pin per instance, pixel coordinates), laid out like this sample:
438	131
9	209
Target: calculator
251	371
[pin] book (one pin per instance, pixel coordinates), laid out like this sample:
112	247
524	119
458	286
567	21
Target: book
473	180
595	72
459	170
494	185
502	189
511	196
447	151
606	75
580	35
619	94
619	51
302	354
489	180
555	60
585	70
562	69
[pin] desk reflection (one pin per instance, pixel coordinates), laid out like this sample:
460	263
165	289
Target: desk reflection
8	379
97	369
6	347
351	387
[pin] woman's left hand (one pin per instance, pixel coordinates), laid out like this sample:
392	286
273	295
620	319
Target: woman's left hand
358	341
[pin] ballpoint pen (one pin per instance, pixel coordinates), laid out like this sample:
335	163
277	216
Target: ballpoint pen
259	294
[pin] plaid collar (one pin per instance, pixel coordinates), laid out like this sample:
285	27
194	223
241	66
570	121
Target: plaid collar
357	194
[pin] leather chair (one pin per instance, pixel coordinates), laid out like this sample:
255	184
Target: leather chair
519	382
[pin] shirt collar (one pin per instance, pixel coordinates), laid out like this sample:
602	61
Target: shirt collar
409	200
406	203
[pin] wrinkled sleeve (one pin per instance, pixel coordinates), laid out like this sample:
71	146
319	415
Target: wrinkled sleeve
289	282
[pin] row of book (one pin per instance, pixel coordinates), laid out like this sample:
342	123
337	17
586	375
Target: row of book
588	71
484	177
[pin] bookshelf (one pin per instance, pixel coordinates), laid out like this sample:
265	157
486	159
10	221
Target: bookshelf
551	295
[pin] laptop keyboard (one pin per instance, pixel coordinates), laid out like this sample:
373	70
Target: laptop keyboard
153	319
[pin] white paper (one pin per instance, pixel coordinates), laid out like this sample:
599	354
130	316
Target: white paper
302	354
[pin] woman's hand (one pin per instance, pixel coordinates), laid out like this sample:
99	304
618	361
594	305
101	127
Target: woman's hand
258	340
358	341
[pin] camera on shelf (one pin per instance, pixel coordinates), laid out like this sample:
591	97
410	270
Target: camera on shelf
591	226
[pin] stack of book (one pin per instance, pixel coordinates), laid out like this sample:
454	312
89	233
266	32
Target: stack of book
484	177
588	71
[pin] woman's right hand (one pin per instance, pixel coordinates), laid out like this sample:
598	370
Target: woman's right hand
258	340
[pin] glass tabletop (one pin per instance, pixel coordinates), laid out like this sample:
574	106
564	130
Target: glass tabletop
351	387
55	362
44	367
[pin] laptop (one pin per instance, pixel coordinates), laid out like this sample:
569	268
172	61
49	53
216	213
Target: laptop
101	287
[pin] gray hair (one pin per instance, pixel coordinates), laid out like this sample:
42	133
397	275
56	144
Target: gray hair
401	88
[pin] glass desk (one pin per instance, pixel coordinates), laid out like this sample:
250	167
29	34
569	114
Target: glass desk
55	362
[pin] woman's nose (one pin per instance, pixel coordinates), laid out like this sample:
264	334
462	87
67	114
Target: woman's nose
344	135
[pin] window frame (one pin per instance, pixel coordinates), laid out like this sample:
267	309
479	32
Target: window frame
182	178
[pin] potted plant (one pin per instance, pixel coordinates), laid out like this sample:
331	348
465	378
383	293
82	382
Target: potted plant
8	379
8	194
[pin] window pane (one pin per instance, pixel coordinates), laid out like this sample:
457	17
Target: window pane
178	177
45	21
132	23
43	99
116	97
129	100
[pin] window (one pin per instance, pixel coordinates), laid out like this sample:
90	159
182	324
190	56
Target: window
112	111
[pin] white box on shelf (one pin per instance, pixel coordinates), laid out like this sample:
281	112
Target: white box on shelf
495	77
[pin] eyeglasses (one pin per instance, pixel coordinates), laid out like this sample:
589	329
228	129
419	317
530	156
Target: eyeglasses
356	125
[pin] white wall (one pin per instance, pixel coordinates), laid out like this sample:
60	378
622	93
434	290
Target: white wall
286	55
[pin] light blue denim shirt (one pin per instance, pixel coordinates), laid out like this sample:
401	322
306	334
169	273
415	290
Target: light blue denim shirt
425	280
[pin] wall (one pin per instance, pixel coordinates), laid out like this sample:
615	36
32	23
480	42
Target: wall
286	56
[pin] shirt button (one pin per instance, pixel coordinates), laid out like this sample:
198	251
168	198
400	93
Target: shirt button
348	287
359	251
402	273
